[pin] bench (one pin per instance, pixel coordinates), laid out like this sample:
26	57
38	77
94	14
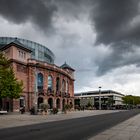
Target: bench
3	112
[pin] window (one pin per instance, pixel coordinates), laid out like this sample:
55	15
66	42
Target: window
40	81
67	87
50	82
24	55
21	54
63	86
57	84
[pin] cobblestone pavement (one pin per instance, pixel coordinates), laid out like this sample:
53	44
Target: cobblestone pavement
127	130
13	120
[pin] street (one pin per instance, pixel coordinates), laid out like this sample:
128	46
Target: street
72	129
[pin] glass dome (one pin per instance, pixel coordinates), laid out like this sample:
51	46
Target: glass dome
39	52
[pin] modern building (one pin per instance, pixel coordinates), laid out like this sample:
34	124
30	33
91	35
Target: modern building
107	99
43	81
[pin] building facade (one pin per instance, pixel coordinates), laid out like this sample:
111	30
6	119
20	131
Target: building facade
43	81
108	99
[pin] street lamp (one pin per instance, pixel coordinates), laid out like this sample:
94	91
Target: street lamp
100	98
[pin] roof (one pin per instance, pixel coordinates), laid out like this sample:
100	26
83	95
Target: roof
97	92
66	66
46	54
16	43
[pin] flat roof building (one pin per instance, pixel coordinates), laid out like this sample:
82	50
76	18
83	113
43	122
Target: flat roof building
108	98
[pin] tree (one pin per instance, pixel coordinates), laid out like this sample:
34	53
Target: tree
9	86
131	100
44	106
110	101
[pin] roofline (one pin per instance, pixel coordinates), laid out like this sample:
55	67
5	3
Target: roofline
29	41
102	91
14	44
97	95
69	68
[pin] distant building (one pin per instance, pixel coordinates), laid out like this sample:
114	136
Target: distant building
33	63
109	98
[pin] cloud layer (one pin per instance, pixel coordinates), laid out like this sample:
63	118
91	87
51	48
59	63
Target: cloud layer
96	37
117	24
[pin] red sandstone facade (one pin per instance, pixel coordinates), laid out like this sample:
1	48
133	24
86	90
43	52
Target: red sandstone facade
56	92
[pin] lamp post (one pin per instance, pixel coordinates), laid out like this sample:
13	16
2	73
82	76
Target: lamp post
100	98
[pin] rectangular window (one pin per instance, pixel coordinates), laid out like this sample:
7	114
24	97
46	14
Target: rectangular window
21	54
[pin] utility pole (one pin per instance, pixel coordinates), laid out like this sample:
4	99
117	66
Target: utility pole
100	98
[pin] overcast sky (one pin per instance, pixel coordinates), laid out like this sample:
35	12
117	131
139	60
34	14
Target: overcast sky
100	39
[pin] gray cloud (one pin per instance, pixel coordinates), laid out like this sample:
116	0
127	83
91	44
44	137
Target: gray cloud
112	20
39	12
122	54
117	23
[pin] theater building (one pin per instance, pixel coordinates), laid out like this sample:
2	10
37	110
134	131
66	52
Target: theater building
43	81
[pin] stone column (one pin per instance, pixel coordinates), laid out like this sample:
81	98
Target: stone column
61	106
54	102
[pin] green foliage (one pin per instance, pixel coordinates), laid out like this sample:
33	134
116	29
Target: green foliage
4	62
54	110
9	85
110	101
89	104
131	100
66	106
71	106
44	106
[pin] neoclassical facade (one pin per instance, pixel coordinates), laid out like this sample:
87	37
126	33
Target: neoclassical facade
43	81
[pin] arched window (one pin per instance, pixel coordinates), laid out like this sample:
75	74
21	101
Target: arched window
57	84
40	81
67	87
63	85
50	82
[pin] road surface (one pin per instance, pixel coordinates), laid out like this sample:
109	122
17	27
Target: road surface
73	129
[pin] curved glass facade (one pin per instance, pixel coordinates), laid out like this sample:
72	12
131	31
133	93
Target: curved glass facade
39	51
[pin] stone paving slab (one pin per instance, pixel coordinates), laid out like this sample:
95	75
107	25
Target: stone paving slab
127	130
13	120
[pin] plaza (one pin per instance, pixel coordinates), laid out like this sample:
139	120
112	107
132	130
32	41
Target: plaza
17	119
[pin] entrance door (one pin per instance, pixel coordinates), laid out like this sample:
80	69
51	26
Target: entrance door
63	103
50	102
40	100
7	106
58	103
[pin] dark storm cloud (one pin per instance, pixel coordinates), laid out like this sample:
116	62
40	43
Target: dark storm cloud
42	13
118	58
117	24
39	12
73	9
112	19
